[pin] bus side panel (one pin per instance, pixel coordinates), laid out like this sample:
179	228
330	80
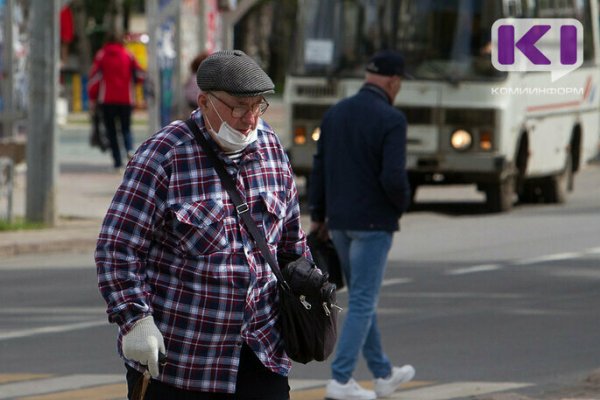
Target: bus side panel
554	111
549	138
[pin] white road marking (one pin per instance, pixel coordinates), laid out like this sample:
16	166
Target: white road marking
386	282
525	261
303	384
595	250
52	385
50	329
548	258
455	295
474	269
395	281
455	390
444	391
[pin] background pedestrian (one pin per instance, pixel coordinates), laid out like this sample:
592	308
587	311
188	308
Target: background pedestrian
359	189
190	87
112	79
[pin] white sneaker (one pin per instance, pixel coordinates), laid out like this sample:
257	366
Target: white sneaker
351	390
386	386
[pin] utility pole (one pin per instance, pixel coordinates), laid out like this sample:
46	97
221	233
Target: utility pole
7	92
42	168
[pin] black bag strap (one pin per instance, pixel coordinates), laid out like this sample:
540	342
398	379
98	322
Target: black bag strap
240	205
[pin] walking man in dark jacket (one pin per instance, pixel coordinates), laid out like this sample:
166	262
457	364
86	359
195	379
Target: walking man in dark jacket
359	189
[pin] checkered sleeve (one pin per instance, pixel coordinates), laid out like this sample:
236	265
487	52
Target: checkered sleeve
125	237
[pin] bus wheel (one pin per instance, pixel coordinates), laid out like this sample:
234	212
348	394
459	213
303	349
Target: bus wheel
530	192
555	188
413	193
500	196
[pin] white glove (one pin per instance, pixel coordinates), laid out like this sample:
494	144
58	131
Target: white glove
142	344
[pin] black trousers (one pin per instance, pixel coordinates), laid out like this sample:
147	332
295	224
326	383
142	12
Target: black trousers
254	382
121	112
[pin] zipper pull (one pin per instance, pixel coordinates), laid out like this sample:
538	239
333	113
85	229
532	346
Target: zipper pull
326	309
305	303
338	308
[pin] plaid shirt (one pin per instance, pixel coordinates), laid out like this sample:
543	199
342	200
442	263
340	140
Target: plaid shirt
172	246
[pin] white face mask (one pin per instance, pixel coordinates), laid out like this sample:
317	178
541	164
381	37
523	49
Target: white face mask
228	138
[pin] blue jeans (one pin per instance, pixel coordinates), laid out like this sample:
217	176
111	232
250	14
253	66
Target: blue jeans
363	255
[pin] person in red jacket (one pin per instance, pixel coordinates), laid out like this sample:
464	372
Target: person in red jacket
67	32
111	87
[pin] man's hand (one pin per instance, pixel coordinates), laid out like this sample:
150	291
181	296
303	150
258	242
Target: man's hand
143	343
320	229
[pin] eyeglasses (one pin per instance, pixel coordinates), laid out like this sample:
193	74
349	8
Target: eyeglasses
240	111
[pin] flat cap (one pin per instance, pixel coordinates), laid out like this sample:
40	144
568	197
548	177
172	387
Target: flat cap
387	62
232	71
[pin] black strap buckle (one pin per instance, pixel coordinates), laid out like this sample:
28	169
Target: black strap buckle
242	208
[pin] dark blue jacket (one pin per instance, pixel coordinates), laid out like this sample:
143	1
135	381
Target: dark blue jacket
359	179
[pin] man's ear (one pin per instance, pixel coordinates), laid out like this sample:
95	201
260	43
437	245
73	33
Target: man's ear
394	84
202	101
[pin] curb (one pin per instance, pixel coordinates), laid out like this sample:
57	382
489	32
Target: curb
67	236
53	246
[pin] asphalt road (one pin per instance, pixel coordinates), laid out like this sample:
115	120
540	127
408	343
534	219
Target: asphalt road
469	299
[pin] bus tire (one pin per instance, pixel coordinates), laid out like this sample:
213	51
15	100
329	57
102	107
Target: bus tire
530	192
413	183
500	196
413	193
556	187
522	186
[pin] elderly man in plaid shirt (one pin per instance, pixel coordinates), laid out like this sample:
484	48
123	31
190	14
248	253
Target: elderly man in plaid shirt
179	271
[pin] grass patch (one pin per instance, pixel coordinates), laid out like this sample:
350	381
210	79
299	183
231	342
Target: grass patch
19	224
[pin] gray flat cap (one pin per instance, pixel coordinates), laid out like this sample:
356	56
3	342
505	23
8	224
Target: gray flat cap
232	71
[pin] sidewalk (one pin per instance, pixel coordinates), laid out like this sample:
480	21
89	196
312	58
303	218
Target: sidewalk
85	187
84	192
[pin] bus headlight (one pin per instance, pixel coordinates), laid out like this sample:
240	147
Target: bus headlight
316	134
300	135
461	140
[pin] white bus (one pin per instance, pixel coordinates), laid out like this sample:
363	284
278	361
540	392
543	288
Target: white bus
513	134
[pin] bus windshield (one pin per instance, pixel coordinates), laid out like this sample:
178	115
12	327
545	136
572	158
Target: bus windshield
440	39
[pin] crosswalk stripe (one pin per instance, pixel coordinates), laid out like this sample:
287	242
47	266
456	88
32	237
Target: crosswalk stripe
107	392
8	378
113	387
303	384
318	393
51	385
456	390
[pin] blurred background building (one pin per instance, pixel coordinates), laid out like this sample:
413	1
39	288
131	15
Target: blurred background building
164	35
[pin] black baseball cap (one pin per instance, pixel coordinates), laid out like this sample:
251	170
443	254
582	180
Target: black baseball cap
388	63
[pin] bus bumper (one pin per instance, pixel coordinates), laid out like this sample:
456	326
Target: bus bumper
454	169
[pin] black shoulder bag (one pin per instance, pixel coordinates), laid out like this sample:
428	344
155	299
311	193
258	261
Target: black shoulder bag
307	300
326	257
